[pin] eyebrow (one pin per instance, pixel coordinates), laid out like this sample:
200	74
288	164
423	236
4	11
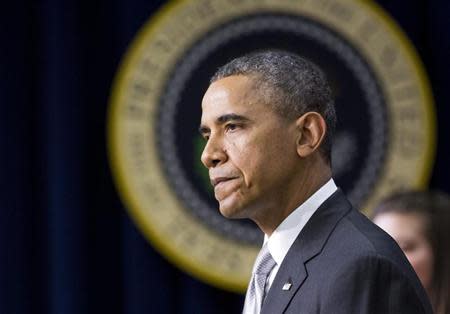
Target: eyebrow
223	119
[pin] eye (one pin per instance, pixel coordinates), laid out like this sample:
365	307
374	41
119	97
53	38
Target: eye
231	127
408	246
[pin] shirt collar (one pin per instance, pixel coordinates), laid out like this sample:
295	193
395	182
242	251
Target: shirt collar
285	234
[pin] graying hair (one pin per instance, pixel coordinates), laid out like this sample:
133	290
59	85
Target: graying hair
289	83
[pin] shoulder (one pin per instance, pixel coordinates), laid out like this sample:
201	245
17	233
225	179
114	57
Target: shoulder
364	257
359	236
372	284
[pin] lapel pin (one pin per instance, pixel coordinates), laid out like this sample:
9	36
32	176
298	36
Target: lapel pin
287	286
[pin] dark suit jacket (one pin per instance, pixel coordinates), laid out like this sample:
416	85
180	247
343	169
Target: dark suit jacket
342	263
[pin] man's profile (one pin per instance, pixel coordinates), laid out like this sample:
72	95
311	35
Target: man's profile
268	120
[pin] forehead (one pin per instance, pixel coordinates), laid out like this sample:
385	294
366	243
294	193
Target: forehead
401	224
233	94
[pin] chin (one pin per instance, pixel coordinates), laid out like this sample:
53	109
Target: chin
228	213
231	211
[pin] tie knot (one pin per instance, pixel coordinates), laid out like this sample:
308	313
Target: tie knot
264	262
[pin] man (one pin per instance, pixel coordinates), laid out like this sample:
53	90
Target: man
268	119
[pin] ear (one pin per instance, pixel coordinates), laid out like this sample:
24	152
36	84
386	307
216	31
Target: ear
311	128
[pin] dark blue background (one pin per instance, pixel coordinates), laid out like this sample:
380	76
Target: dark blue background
66	243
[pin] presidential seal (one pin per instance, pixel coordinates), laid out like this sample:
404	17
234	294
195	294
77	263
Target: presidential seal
385	135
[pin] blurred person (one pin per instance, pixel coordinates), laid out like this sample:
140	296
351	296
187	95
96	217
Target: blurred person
268	120
420	223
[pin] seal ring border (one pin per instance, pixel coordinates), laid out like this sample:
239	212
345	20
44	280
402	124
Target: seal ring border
128	197
427	98
130	58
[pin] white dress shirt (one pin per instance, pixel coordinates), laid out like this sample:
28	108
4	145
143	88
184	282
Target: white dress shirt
285	234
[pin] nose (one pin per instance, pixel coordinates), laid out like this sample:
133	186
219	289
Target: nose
213	154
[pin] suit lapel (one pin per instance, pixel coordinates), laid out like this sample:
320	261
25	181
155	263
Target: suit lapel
278	298
293	271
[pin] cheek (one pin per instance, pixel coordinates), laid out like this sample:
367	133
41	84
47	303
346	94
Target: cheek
260	159
247	156
422	261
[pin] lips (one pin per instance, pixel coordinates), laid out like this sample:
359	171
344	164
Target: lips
218	180
224	187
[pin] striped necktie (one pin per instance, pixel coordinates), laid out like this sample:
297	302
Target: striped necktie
257	288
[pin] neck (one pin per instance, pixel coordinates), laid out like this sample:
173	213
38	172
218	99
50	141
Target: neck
306	184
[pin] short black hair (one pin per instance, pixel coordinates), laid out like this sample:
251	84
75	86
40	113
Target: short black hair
291	84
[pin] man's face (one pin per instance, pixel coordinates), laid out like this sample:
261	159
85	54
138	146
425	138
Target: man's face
250	151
